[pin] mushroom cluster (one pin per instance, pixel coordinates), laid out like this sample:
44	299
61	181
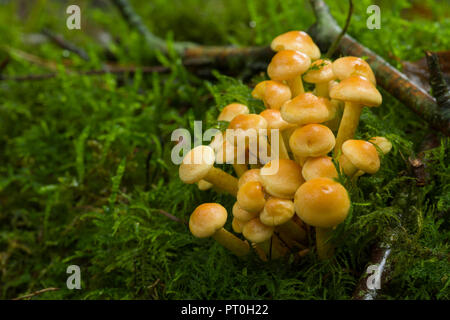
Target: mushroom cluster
281	201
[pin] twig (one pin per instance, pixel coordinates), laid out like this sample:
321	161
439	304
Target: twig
438	84
335	44
172	217
63	43
388	77
121	70
36	293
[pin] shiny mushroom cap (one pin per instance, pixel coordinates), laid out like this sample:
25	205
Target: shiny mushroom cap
196	164
357	89
273	93
319	167
307	108
242	214
320	71
237	225
296	40
362	154
274	120
232	110
288	64
346	67
248	121
381	142
284	181
250	196
257	232
312	140
277	211
322	202
206	219
249	175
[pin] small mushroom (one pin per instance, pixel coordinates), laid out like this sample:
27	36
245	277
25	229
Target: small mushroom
198	164
277	211
320	73
237	225
249	175
281	178
312	140
232	110
289	65
296	40
241	214
381	142
307	108
250	197
359	155
356	92
319	167
272	93
324	204
208	220
346	67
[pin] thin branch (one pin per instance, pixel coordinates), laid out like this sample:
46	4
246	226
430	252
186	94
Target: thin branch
36	293
335	44
172	217
65	44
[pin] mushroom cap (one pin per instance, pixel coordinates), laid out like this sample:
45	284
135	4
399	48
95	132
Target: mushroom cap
346	67
381	142
204	185
322	202
288	64
242	214
237	225
248	121
273	93
285	181
232	110
206	219
346	165
362	154
312	140
196	164
226	153
250	196
277	211
249	175
319	167
257	232
357	89
274	119
320	71
296	40
307	108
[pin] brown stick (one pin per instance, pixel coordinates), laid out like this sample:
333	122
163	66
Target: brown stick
36	293
388	77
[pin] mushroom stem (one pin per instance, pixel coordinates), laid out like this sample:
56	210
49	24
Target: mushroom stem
240	169
291	233
222	180
231	242
282	150
296	86
273	248
322	89
325	249
349	124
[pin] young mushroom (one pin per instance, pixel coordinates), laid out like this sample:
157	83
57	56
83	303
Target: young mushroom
272	93
312	140
250	197
208	220
307	108
281	178
298	41
260	234
249	175
243	215
232	110
319	167
198	164
277	211
382	143
320	73
346	67
289	65
356	92
324	204
359	155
